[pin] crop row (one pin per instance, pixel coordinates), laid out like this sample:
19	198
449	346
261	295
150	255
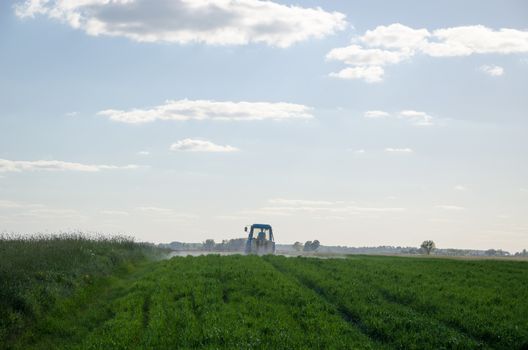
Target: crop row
423	303
274	302
214	302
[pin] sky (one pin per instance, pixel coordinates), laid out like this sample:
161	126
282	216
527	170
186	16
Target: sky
358	123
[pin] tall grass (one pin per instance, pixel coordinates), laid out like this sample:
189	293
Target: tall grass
37	270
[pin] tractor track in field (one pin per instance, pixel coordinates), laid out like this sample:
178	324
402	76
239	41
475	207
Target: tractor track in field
355	320
390	298
348	317
393	299
146	311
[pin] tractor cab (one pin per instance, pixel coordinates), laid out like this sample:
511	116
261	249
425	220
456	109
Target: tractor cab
260	239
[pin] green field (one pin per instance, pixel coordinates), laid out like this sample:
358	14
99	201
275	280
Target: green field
271	302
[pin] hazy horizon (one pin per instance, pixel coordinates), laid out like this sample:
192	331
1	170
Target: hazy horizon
358	124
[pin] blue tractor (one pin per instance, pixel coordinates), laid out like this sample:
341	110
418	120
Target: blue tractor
260	240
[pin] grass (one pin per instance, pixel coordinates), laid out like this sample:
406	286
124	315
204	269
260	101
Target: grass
424	303
38	271
274	302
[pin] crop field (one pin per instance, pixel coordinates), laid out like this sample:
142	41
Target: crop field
274	302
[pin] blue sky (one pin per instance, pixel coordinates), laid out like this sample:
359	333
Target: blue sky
355	123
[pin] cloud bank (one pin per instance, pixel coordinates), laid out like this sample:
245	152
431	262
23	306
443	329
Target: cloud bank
183	110
55	165
385	45
212	22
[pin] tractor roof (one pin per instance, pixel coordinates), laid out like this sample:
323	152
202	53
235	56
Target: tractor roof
265	226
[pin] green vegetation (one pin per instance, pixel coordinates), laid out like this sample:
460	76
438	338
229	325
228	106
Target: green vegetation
274	302
38	271
423	303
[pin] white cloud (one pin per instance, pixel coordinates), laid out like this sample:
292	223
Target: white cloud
396	36
115	212
299	208
329	217
460	188
371	74
53	214
396	43
55	165
213	22
450	207
72	114
493	71
417	118
298	202
20	211
24	212
477	39
398	150
156	210
143	153
352	210
183	110
359	151
358	56
165	214
238	218
376	114
378	210
287	207
10	204
194	145
7	204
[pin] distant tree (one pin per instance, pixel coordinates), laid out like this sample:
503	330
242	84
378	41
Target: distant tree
237	244
310	246
428	246
494	252
209	244
490	252
221	247
298	246
523	253
413	250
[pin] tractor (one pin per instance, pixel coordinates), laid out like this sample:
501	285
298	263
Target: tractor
260	240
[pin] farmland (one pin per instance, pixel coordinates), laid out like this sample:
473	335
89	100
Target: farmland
271	302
